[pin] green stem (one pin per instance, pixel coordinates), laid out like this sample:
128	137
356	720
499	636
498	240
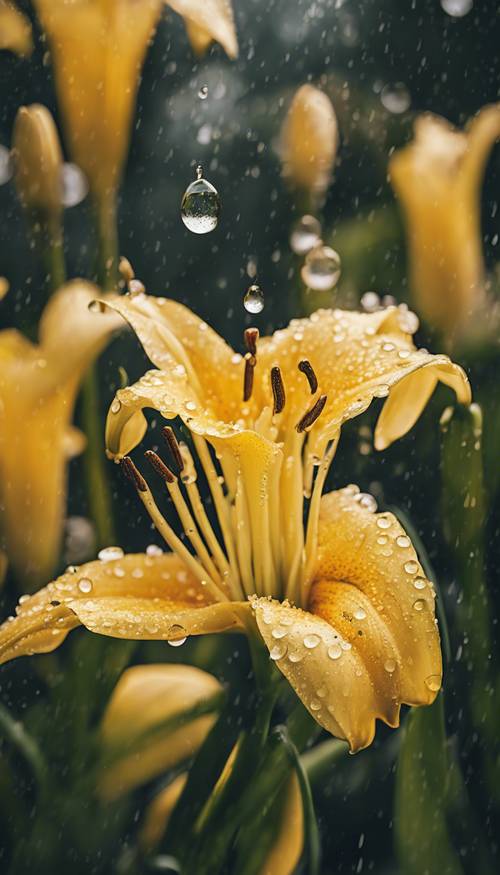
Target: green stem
99	497
107	257
52	247
14	731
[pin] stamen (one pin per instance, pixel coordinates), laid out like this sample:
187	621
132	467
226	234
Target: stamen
251	336
278	390
311	416
159	466
134	475
250	363
173	445
306	368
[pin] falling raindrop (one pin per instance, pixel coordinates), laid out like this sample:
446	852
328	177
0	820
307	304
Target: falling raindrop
74	185
253	301
457	8
321	270
203	92
305	234
395	98
200	207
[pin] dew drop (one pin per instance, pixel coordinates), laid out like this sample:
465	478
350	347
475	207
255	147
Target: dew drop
403	541
74	185
200	206
315	705
359	614
311	641
411	567
321	270
116	405
295	656
153	550
178	643
203	92
419	605
433	682
253	301
334	651
107	554
383	522
85	585
278	651
279	632
305	234
367	501
420	583
390	665
370	302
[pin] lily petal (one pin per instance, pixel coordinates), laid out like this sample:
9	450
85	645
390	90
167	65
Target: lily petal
15	30
333	683
38	386
145	696
208	21
356	357
136	597
370	585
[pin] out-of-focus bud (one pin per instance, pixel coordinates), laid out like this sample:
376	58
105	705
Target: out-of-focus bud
15	30
157	717
437	178
309	141
158	813
38	160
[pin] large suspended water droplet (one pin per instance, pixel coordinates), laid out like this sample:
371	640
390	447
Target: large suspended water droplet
395	98
253	301
321	270
6	167
74	185
457	8
305	234
200	207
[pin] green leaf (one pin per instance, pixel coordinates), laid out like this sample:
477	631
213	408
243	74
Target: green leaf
423	844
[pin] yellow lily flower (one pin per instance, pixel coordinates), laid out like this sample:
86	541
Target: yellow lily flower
98	47
437	178
15	30
38	386
343	606
144	697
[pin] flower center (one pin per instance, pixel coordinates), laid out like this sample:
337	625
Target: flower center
264	539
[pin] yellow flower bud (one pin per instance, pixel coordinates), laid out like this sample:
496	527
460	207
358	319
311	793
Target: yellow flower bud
437	178
38	160
145	697
309	140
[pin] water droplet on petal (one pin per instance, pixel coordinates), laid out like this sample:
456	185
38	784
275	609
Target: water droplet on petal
200	206
153	550
278	651
383	522
367	501
321	270
116	405
359	614
419	605
306	233
433	682
178	643
403	541
279	632
314	705
420	583
334	651
311	641
390	665
253	301
411	567
109	553
370	302
203	92
85	584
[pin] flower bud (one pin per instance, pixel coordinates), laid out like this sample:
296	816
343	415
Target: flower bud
15	30
146	698
309	141
38	160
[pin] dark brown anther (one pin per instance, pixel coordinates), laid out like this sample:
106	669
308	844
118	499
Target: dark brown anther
248	376
159	466
134	475
251	337
311	416
278	388
307	369
173	445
